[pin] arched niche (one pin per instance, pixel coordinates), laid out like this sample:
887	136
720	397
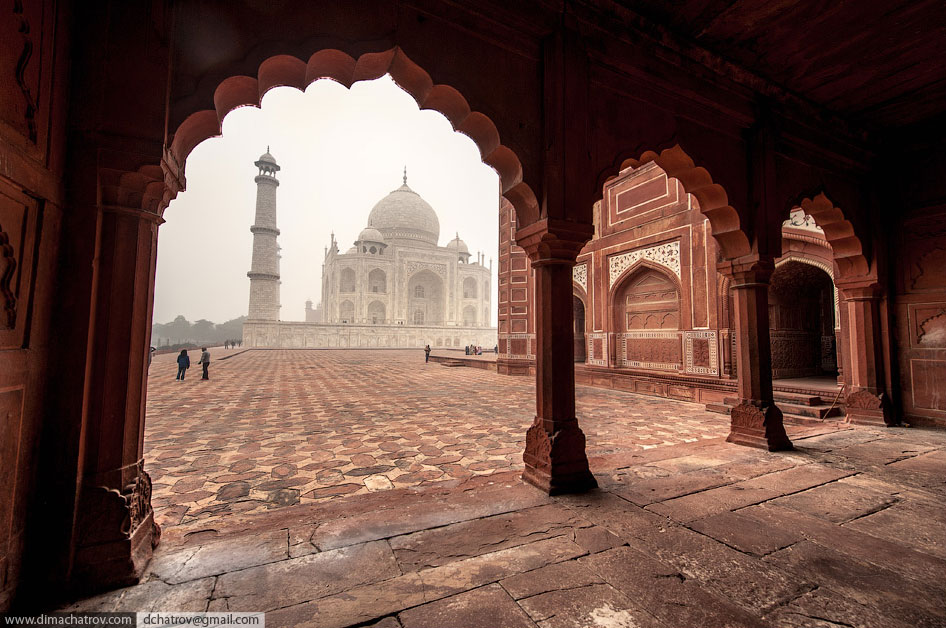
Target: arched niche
347	280
647	297
377	281
426	296
469	288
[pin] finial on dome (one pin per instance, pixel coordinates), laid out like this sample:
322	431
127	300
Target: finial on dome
405	175
267	148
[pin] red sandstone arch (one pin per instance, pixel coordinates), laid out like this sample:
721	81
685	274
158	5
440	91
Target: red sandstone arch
714	202
286	70
839	232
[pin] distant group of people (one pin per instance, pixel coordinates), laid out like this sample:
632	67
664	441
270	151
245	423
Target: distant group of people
232	344
184	363
474	350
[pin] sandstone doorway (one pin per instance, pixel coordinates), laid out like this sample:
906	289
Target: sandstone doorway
802	323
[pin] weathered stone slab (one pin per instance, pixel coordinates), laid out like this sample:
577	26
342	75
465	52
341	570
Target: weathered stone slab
430	548
892	555
365	603
661	489
884	451
748	581
922	526
565	575
418	515
838	502
919	604
597	539
713	501
486	606
746	533
617	515
219	556
288	582
933	462
825	608
593	605
150	596
666	593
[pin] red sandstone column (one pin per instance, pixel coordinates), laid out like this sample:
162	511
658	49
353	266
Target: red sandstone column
755	421
115	529
555	459
867	403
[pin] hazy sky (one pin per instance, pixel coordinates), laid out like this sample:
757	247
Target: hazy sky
340	151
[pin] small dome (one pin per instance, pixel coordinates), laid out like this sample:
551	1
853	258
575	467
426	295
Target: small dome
370	234
404	215
458	245
267	156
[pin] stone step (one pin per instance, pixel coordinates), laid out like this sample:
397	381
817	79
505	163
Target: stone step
816	412
719	408
453	363
786	397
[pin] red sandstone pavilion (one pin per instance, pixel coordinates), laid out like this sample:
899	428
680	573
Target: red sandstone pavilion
649	155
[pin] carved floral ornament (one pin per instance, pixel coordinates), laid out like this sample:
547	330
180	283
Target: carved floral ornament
580	275
666	255
438	269
7	268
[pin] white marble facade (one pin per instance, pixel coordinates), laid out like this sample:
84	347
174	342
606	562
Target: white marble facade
395	287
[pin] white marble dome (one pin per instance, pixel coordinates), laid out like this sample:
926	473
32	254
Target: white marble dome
370	234
458	245
404	215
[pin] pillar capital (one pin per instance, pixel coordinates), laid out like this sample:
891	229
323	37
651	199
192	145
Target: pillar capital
550	241
748	271
859	289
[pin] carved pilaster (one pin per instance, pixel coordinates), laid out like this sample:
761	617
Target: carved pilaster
555	458
756	421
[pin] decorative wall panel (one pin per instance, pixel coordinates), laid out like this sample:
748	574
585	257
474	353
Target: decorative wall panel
659	350
701	352
597	348
667	255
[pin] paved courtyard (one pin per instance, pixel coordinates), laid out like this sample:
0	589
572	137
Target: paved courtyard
845	531
273	429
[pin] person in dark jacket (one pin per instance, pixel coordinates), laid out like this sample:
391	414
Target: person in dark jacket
183	363
427	353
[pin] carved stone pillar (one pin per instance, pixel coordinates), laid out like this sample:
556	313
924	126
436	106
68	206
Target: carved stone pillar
115	530
555	459
867	402
755	421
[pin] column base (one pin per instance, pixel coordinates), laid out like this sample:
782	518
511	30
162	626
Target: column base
117	535
758	426
866	408
557	463
505	366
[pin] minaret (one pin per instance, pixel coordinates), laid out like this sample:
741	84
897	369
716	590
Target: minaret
264	272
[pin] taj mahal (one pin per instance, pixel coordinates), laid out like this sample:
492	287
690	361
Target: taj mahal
395	287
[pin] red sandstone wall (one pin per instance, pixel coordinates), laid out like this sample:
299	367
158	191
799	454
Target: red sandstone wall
32	98
516	292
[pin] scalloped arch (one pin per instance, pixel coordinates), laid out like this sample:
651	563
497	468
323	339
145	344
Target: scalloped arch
289	71
839	232
696	180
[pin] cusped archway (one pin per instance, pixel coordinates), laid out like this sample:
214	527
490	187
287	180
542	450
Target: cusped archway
289	71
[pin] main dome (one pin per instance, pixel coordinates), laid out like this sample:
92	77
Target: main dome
404	216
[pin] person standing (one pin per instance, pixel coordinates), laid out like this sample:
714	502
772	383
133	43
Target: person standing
204	361
427	354
183	363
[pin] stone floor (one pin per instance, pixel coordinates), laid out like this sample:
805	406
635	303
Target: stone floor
273	429
847	530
